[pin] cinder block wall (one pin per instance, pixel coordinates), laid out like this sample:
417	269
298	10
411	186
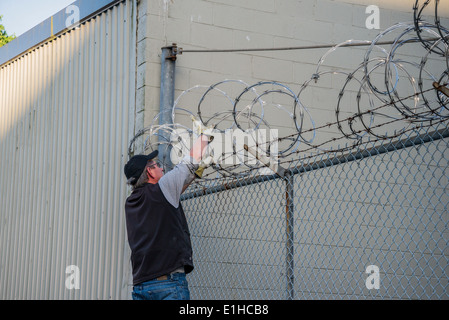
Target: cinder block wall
228	24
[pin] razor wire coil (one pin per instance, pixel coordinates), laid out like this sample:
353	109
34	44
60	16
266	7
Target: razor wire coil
393	92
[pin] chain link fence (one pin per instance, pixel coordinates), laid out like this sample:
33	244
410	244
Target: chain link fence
317	232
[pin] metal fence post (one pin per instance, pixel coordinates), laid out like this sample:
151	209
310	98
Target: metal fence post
289	207
167	98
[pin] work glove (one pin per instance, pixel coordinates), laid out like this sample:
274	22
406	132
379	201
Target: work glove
206	159
204	163
207	155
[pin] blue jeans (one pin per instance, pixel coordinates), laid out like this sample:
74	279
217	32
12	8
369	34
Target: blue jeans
174	288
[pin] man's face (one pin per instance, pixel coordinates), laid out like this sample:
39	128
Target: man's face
155	169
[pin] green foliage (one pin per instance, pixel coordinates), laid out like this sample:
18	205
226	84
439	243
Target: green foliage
4	38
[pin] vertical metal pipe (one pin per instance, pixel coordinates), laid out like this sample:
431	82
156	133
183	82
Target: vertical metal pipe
167	96
289	177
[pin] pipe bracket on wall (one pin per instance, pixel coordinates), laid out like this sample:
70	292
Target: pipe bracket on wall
174	52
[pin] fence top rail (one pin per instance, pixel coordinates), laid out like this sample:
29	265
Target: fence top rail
337	159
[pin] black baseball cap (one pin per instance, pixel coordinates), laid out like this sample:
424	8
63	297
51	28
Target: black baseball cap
136	165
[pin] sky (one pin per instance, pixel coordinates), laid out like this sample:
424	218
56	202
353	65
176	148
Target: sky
20	16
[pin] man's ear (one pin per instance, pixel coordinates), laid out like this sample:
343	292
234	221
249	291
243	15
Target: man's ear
149	175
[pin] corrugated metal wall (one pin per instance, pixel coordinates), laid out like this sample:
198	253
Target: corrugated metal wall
66	115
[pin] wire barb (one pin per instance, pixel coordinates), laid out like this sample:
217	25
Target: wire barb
387	94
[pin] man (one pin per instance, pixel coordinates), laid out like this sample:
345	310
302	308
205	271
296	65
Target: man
158	234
